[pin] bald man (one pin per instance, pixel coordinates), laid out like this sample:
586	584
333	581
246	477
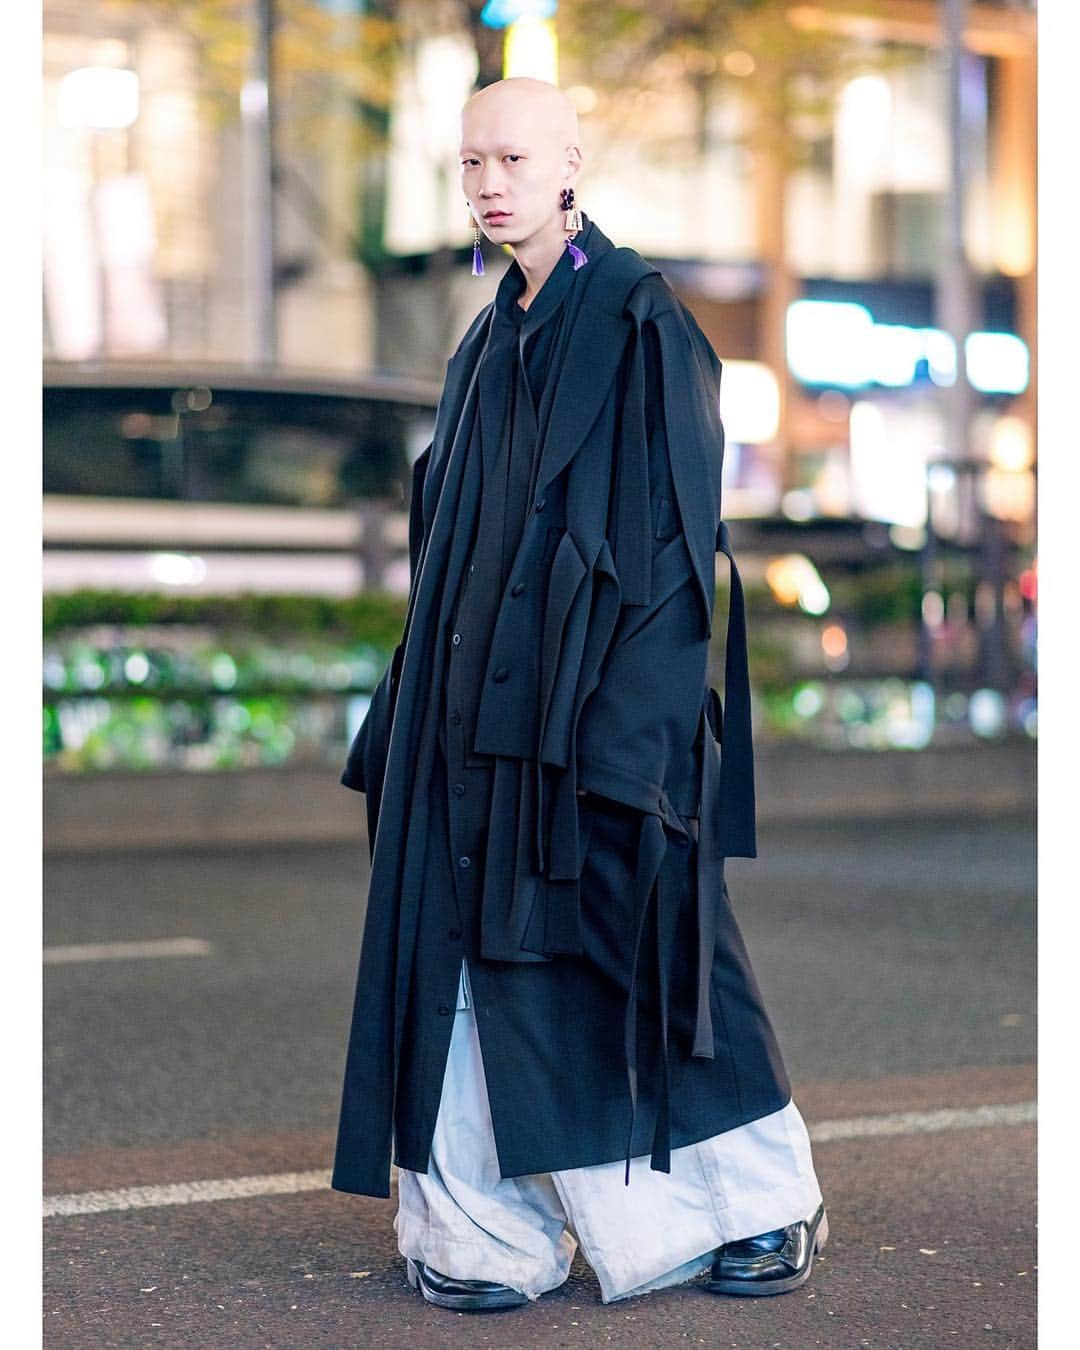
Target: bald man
557	1034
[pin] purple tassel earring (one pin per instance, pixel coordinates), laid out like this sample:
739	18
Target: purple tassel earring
477	256
572	224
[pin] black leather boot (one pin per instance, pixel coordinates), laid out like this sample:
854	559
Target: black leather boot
462	1295
770	1263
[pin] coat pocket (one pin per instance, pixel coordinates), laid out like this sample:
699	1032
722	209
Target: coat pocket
608	901
609	832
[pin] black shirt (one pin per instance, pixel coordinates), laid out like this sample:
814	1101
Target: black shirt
512	377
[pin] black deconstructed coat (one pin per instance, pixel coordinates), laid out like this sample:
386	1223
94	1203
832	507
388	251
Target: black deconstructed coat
617	1010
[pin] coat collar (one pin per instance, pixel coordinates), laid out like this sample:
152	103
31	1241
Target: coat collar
544	303
595	338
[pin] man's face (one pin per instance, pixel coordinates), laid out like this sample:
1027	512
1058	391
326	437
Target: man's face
514	161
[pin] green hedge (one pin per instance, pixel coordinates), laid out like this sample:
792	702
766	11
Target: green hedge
891	595
378	616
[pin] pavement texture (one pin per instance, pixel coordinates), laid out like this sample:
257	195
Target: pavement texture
897	959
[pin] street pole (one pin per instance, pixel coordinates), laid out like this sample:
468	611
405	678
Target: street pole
954	304
257	107
957	315
955	291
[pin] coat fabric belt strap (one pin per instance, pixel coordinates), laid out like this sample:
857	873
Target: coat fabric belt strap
736	800
727	822
726	827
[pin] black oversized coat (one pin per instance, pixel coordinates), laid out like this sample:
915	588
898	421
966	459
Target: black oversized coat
623	713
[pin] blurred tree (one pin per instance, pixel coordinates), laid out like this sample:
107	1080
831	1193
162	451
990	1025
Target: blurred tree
787	73
335	67
321	52
658	73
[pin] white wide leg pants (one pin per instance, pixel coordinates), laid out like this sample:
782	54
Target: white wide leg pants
466	1221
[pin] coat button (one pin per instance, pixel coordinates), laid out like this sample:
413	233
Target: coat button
455	718
464	860
444	1010
517	588
456	639
500	674
541	503
459	789
454	934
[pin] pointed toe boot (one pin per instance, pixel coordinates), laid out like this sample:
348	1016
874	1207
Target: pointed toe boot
461	1295
770	1263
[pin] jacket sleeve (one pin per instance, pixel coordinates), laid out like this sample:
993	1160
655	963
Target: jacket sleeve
366	761
639	726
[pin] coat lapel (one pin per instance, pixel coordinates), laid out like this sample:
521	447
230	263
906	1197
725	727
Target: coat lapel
594	349
596	340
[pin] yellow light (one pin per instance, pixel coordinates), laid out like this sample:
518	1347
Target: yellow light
532	48
794	580
1008	495
739	64
783	580
1014	243
1010	444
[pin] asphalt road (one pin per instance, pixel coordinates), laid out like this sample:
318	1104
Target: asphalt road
898	963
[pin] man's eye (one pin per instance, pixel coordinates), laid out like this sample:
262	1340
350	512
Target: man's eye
513	156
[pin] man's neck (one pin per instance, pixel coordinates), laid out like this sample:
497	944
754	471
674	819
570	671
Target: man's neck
537	258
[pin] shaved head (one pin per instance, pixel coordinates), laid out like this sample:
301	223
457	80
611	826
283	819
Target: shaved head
521	100
520	149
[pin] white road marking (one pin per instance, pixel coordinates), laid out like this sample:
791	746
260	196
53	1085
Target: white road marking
923	1122
185	1193
294	1183
128	951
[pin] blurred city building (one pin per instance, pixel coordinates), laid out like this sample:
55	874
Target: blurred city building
814	279
271	187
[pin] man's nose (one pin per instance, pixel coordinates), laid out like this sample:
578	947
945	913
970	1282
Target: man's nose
490	182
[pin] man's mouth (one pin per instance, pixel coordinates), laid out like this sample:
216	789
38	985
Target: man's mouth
496	216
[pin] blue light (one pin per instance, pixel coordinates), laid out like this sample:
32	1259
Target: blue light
502	13
837	343
829	342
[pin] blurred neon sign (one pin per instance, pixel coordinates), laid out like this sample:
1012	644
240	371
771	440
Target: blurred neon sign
502	13
838	343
